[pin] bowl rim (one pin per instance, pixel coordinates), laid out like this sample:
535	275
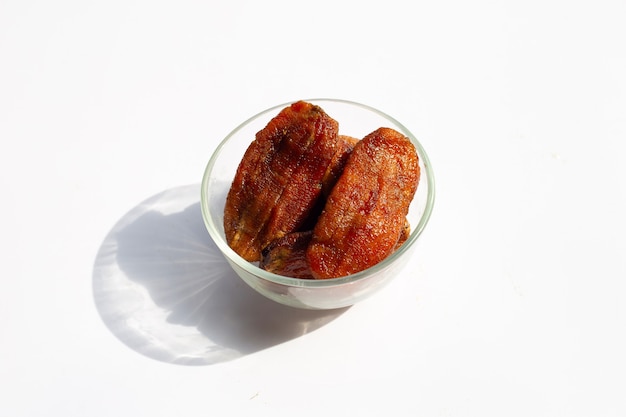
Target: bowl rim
250	267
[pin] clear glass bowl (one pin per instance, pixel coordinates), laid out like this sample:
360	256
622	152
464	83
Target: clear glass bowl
356	120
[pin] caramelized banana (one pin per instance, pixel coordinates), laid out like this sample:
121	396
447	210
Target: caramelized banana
365	213
279	179
345	144
287	256
404	233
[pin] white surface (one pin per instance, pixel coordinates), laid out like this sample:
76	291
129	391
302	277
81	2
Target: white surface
514	306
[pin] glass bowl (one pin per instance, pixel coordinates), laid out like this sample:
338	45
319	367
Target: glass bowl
356	120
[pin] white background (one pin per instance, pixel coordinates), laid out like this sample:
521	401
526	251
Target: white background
514	304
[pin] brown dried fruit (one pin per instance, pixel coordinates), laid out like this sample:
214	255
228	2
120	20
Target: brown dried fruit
279	179
366	211
345	144
287	256
404	233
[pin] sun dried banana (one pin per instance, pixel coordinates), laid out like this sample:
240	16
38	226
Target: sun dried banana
287	256
279	179
365	213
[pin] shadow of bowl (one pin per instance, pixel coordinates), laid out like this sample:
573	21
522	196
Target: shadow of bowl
164	289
